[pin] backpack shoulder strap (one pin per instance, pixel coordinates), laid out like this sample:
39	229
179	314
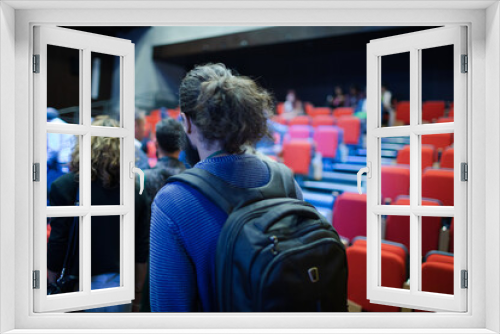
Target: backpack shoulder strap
229	197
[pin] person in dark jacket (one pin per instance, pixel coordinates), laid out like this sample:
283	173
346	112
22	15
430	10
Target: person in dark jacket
105	230
169	139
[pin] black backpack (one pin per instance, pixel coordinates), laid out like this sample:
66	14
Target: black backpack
275	253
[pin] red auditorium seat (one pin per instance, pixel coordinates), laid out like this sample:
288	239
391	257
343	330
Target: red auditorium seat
440	141
447	159
300	132
438	184
438	256
451	113
437	275
280	106
427	156
349	215
297	155
300	120
323	120
326	139
151	149
395	181
308	108
393	274
279	119
432	110
174	113
403	112
397	228
352	129
343	111
319	111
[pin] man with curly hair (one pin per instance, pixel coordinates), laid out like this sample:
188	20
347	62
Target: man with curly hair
223	114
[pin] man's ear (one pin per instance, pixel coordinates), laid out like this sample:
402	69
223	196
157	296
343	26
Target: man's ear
186	122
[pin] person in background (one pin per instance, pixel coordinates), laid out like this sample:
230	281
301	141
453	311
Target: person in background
141	159
387	108
223	114
59	149
169	140
293	106
353	98
338	99
105	231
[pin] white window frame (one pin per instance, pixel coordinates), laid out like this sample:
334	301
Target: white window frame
484	52
85	43
414	44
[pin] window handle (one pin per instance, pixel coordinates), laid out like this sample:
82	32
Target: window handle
368	171
134	170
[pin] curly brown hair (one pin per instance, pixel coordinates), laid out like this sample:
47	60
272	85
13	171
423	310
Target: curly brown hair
232	110
105	156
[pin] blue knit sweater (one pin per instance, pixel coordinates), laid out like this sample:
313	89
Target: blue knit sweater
185	227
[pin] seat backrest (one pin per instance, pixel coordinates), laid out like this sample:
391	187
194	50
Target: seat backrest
397	228
323	120
395	181
300	120
403	112
280	107
308	108
440	141
447	159
317	111
437	277
349	215
352	129
343	111
174	113
297	155
438	184
432	110
300	131
393	275
439	256
428	156
327	139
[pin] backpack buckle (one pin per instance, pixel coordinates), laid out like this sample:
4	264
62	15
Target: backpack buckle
313	274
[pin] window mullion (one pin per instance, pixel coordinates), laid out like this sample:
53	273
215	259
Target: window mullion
415	170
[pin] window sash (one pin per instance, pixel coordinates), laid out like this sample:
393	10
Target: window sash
413	43
86	43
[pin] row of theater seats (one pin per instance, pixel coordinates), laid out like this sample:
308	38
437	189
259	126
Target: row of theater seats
432	112
437	272
349	219
312	111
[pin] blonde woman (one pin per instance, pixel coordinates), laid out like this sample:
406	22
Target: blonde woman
105	230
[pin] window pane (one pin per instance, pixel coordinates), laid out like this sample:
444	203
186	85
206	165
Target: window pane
395	89
63	165
394	251
105	170
63	245
105	252
105	86
437	262
437	84
395	177
437	169
63	82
